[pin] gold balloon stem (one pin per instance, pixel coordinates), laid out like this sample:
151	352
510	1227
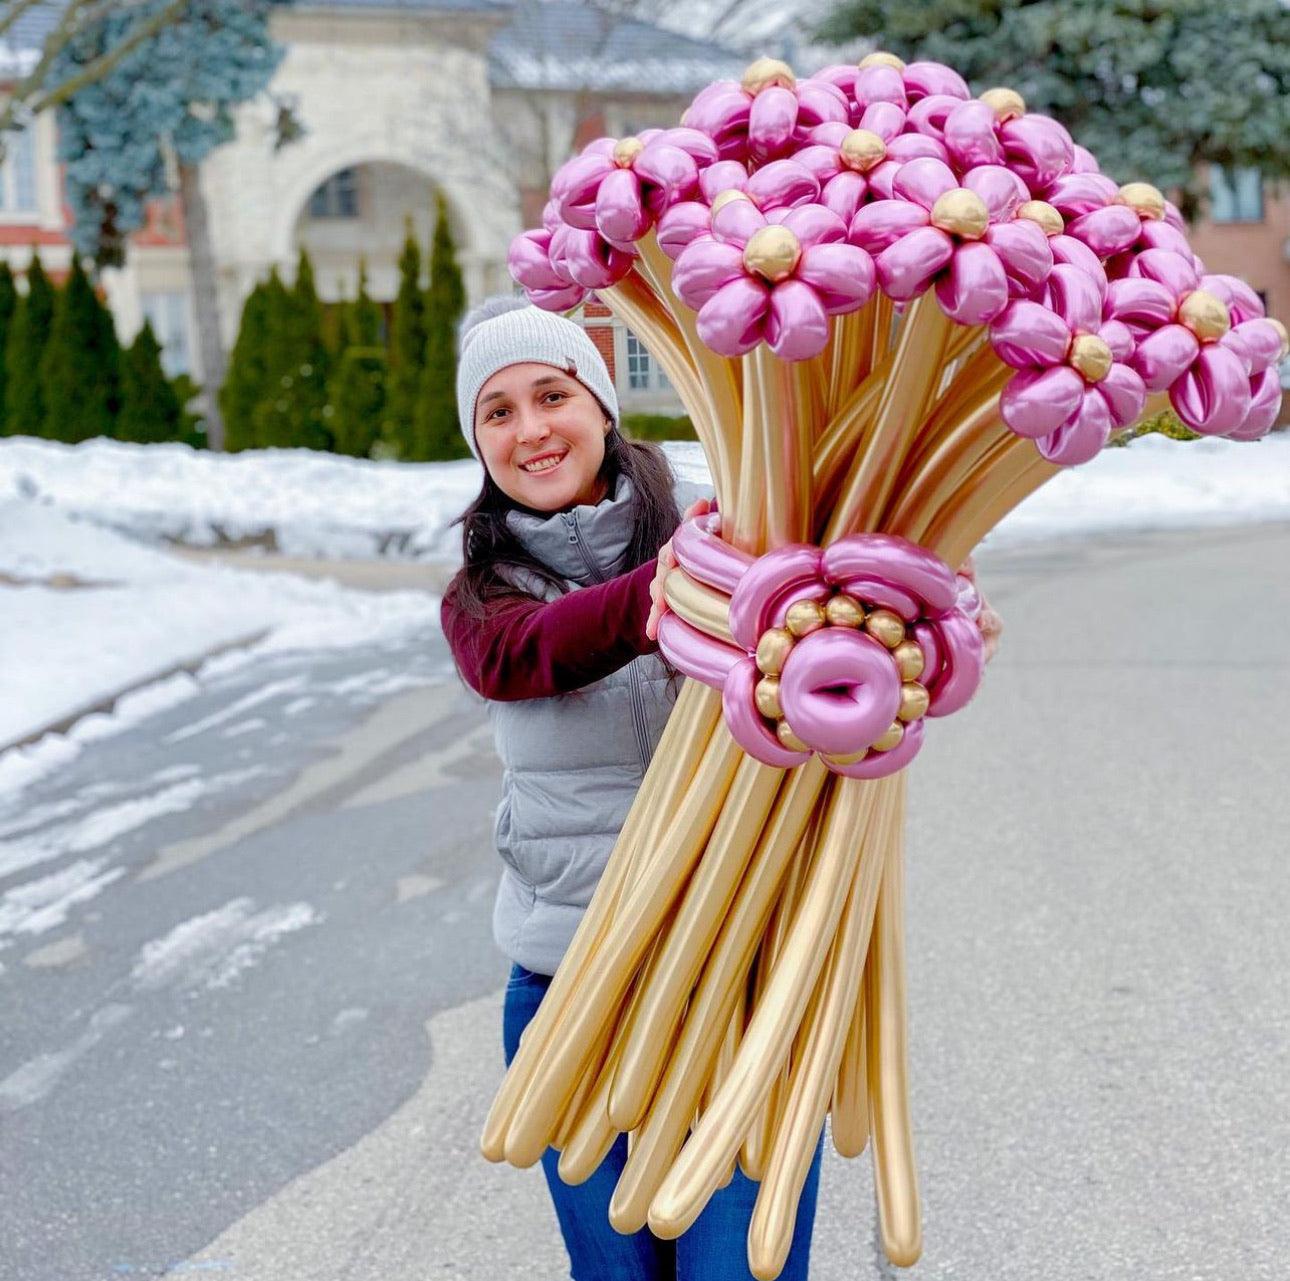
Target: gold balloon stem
701	606
819	1050
680	750
787	840
913	380
777	404
703	1160
850	1109
720	377
634	303
895	1175
847	356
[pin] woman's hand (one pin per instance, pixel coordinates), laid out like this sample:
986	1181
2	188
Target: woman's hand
988	621
667	563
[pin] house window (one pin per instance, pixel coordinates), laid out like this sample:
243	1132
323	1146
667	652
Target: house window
1235	195
643	374
337	197
168	315
18	174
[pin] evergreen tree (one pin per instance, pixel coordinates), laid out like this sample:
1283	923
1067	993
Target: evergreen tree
357	401
150	408
407	348
247	383
291	417
80	371
8	305
24	347
436	433
362	327
1155	91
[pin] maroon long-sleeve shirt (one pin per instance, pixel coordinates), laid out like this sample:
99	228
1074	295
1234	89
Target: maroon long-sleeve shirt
533	649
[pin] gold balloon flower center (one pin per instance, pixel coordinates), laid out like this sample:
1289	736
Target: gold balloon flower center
1050	222
1144	199
1285	337
766	72
1090	357
881	58
724	198
1007	104
1204	314
626	150
773	253
862	149
961	213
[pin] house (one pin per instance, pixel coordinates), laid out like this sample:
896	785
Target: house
400	100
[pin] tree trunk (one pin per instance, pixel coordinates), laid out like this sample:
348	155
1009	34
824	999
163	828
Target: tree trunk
201	266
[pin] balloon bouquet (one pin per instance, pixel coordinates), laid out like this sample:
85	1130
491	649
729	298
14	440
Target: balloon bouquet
892	311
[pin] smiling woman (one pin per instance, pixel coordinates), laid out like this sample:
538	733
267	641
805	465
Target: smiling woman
541	436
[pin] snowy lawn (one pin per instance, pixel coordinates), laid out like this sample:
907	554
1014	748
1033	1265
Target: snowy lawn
91	604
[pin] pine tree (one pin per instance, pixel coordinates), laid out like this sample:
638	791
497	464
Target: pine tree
362	323
291	417
150	409
247	383
436	433
357	401
80	370
407	348
24	347
8	305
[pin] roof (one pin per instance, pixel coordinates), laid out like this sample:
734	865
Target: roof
561	44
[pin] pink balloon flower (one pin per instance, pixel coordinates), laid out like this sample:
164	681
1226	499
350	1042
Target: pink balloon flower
1179	321
763	117
777	277
1115	221
965	239
1074	386
996	129
782	184
619	187
900	86
852	684
545	279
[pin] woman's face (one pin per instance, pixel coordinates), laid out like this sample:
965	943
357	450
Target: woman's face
541	435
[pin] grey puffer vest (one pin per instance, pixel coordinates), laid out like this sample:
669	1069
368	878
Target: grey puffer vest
572	763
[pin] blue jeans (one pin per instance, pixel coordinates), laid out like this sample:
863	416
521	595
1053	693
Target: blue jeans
714	1249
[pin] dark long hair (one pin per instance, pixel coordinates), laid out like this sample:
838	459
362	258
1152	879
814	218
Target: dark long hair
489	547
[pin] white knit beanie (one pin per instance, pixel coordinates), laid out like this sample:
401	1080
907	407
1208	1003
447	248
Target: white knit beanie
507	330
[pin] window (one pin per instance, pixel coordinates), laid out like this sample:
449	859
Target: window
168	314
1235	195
18	174
337	197
642	373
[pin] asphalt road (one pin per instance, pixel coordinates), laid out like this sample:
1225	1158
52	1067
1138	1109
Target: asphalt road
249	1004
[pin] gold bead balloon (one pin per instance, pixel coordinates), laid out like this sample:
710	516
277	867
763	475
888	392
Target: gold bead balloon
909	660
1144	199
626	150
805	617
766	695
766	72
862	149
1285	336
1007	104
914	700
788	739
961	213
885	627
852	758
844	611
1091	357
728	197
895	732
773	253
1050	222
881	58
1204	314
772	650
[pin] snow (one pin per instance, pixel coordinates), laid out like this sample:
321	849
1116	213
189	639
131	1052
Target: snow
94	604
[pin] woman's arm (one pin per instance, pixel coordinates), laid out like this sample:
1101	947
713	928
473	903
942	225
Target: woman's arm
533	649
